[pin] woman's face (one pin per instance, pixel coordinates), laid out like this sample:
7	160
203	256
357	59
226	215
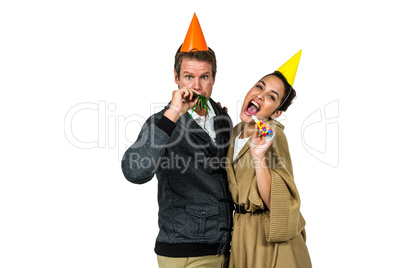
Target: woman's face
263	99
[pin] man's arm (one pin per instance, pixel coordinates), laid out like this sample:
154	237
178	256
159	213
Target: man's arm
142	159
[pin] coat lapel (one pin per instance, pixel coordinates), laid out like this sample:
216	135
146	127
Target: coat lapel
222	127
229	163
245	148
231	167
198	135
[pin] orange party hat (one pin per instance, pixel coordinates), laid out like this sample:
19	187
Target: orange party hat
194	38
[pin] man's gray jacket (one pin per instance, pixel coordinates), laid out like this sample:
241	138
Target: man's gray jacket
195	207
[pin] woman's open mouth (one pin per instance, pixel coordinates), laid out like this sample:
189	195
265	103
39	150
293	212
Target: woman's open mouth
252	108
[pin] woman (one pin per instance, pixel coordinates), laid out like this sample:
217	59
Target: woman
268	226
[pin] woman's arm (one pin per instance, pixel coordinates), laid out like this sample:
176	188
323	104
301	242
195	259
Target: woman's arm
263	180
258	147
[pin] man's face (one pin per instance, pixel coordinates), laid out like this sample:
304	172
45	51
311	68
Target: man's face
196	75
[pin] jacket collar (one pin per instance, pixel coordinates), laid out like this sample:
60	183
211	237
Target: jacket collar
220	120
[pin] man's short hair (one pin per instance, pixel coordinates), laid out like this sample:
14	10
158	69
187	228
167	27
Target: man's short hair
203	55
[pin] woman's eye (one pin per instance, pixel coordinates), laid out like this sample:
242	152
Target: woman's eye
260	87
271	96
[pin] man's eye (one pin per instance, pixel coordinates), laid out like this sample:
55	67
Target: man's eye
204	77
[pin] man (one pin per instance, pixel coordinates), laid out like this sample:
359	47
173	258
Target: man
186	150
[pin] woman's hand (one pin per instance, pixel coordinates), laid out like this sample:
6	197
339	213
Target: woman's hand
183	99
258	144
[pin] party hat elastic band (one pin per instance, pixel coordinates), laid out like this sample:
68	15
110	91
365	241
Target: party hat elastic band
194	38
289	69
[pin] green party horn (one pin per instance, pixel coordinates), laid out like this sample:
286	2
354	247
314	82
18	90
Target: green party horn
202	104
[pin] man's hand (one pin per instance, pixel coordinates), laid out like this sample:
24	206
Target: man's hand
224	108
183	99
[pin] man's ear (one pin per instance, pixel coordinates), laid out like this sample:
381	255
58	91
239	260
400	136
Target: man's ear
276	114
176	77
213	83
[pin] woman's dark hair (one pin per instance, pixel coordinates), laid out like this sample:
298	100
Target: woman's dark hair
289	95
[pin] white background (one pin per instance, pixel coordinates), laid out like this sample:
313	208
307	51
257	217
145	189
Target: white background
65	206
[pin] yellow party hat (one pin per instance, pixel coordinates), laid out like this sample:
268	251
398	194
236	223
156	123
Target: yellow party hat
194	38
289	69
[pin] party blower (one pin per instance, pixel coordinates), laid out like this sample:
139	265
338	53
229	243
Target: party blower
266	132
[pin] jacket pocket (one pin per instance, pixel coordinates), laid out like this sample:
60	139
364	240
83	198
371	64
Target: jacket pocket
199	221
205	218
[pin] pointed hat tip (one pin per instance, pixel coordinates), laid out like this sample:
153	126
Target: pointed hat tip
194	38
289	69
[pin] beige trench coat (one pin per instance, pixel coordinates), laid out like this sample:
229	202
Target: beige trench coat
274	238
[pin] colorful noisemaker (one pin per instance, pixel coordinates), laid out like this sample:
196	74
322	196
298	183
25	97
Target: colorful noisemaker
266	132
